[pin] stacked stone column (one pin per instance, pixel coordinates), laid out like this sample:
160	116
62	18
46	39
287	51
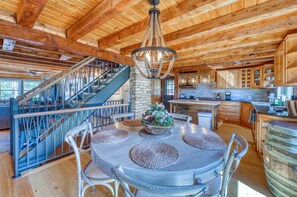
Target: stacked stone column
140	92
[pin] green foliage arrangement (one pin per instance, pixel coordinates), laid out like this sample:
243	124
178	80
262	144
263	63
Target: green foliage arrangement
157	115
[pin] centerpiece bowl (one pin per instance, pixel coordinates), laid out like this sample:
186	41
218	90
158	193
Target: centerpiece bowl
156	130
157	120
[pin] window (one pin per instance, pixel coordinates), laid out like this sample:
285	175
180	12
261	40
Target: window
28	85
12	88
9	89
169	87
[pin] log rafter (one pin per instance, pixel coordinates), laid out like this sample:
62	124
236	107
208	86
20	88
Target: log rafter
29	11
255	14
98	16
187	9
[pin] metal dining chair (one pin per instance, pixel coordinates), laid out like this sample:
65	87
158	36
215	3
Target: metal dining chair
90	175
144	189
232	159
182	117
117	117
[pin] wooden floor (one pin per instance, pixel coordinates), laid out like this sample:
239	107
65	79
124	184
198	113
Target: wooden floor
60	179
4	141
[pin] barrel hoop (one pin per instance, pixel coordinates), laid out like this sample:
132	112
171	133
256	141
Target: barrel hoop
280	178
283	130
282	147
272	136
276	184
280	156
274	190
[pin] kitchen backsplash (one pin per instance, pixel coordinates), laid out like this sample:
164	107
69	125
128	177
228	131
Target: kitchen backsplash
204	90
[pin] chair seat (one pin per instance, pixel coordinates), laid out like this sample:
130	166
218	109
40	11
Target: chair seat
93	173
141	193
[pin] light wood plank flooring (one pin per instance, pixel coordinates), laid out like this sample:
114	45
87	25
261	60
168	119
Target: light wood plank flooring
60	179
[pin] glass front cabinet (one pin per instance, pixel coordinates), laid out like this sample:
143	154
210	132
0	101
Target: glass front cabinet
257	77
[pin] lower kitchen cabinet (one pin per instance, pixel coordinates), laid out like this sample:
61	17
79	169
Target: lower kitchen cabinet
245	110
229	112
260	129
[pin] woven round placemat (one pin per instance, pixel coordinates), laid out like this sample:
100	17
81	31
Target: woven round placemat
132	123
110	136
203	141
154	155
143	133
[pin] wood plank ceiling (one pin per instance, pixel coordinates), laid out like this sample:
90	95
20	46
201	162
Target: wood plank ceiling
217	33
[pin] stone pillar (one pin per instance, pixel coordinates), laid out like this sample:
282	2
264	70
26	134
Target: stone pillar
140	92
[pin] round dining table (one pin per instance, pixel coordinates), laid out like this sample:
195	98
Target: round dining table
193	165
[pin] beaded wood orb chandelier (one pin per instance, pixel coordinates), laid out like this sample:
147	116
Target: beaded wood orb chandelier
149	58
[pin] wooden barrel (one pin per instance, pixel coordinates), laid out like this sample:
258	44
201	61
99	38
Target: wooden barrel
280	158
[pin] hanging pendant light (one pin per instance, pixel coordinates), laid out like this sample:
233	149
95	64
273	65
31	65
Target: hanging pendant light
149	58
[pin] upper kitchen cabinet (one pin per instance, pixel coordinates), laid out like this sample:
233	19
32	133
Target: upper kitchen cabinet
257	77
229	78
285	62
279	68
246	78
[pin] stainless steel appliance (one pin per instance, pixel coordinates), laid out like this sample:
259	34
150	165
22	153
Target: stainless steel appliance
227	96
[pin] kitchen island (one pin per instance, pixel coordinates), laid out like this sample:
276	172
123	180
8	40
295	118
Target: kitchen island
191	108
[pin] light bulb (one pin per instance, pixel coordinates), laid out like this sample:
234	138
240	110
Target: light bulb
159	56
148	57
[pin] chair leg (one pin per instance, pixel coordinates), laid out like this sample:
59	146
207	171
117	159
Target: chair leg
116	188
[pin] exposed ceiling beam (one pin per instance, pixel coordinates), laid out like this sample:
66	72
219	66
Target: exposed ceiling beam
29	11
265	56
29	59
260	12
179	12
262	28
99	15
242	64
233	44
238	50
39	38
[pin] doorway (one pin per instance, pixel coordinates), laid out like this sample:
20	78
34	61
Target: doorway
168	91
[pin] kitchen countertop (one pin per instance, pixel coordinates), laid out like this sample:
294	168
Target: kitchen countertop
265	110
241	100
194	102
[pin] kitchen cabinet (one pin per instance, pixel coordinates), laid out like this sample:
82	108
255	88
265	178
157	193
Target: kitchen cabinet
245	110
268	76
229	78
257	77
246	78
279	68
262	121
221	79
229	112
285	62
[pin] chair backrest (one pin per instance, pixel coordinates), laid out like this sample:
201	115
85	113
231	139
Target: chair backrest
72	138
183	117
116	117
232	159
126	180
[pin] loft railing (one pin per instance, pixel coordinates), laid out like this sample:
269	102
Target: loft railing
39	146
71	88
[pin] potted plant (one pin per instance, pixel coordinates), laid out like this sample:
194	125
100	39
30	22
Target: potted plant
157	120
